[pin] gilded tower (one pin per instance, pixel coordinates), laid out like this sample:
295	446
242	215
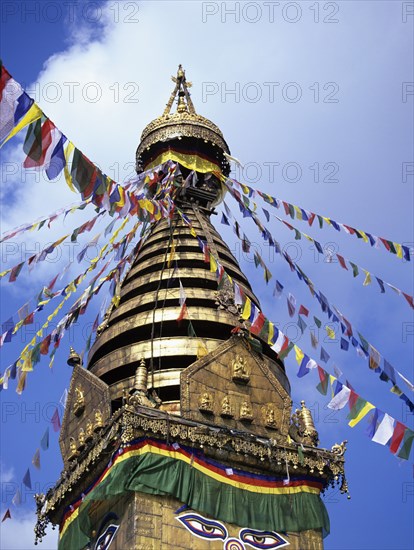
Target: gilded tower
179	431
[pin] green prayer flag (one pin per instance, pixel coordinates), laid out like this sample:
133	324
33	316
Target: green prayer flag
406	445
354	269
318	323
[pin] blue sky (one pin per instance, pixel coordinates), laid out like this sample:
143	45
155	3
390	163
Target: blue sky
305	89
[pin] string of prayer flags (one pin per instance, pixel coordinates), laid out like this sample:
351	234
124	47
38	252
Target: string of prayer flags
355	268
361	348
341	394
401	251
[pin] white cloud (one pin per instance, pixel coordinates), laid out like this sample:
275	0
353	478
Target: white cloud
18	533
6	473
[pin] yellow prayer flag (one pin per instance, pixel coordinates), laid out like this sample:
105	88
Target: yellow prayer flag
331	381
271	334
201	350
247	309
398	248
330	332
298	212
22	383
172	254
364	411
213	264
32	114
367	278
67	153
364	235
299	354
3	273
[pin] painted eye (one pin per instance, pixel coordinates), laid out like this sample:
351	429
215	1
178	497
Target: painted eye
262	539
107	537
203	527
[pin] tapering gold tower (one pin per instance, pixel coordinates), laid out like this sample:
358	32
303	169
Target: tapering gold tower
179	432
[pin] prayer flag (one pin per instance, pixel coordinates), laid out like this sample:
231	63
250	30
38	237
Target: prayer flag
340	399
7	515
36	459
56	420
27	480
385	430
397	437
303	311
324	356
44	442
405	449
322	387
360	415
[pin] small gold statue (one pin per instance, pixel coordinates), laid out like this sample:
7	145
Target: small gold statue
89	431
79	405
302	419
206	403
226	411
81	439
98	421
240	372
339	448
73	452
270	420
246	412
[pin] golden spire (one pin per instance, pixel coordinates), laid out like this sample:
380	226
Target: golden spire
181	88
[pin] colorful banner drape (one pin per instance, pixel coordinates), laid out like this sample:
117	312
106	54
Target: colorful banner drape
147	465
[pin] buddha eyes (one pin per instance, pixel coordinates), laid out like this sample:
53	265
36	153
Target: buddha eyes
105	539
202	527
214	530
262	539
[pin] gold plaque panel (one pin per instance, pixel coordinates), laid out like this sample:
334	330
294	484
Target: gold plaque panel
236	387
88	407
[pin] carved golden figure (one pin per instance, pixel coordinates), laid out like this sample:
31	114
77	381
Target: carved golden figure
79	404
246	413
339	448
81	439
270	419
305	426
240	372
206	403
98	421
73	451
226	410
89	431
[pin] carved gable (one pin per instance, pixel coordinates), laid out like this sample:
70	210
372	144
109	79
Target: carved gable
236	387
88	408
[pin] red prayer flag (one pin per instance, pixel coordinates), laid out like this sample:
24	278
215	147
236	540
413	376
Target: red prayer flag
36	158
311	218
342	261
15	272
258	324
44	345
56	421
397	437
303	311
409	299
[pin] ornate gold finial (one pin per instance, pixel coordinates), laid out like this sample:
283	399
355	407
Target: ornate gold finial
305	426
141	377
74	358
181	88
339	448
